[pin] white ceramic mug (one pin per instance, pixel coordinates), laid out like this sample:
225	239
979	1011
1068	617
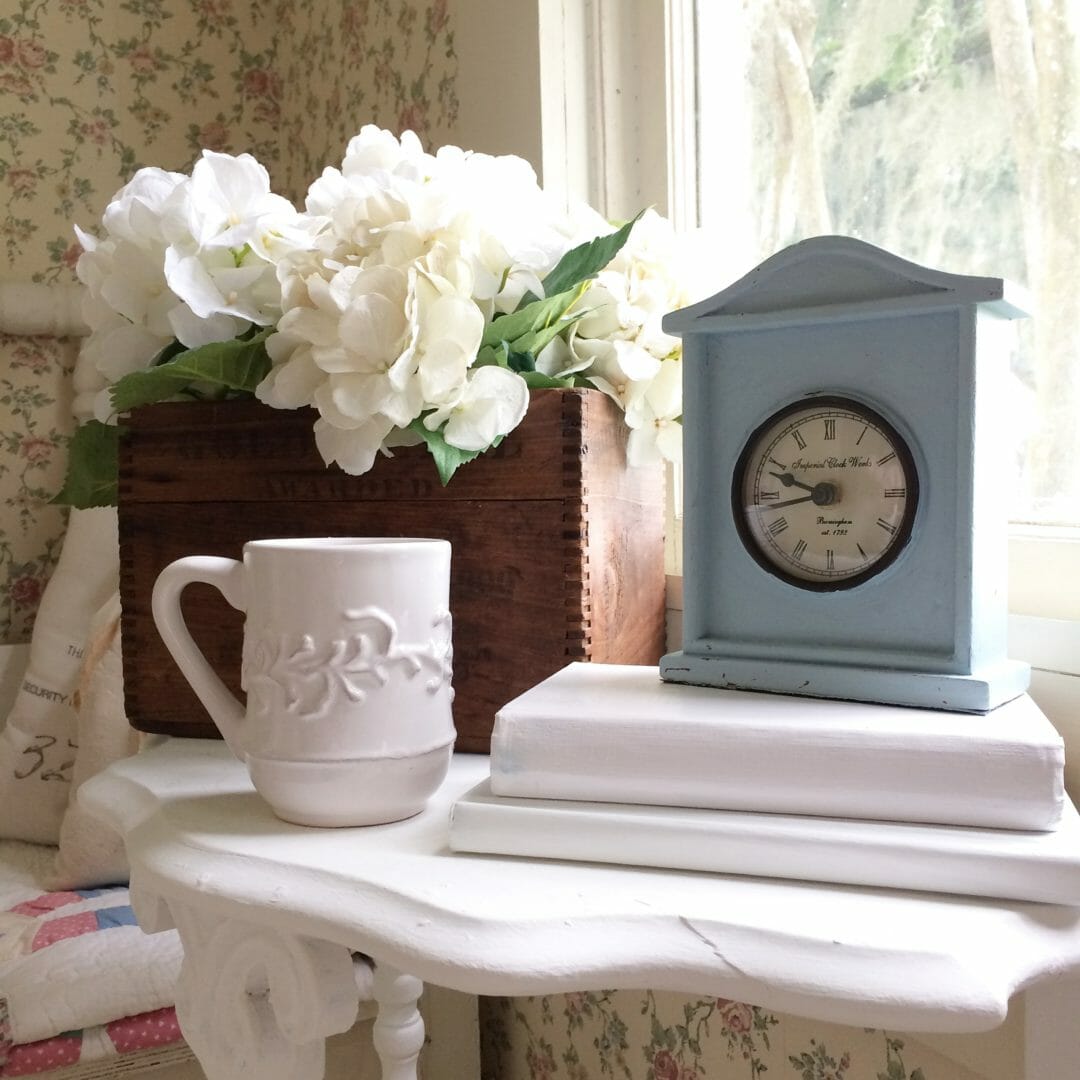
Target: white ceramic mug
346	666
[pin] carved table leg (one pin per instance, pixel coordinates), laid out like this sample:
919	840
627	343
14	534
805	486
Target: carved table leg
258	1004
398	1033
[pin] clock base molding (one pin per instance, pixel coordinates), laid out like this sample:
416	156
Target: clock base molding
975	693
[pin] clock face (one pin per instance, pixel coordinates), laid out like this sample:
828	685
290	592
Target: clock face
824	494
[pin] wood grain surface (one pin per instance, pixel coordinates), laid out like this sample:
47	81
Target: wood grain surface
558	548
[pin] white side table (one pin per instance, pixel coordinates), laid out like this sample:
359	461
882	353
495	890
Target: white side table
278	921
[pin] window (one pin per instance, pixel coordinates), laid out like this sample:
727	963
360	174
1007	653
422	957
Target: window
944	130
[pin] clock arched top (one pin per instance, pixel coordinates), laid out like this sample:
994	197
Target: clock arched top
828	273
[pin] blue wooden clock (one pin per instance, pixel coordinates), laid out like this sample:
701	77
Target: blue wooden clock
846	445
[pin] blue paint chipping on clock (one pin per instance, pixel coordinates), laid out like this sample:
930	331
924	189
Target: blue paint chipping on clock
846	442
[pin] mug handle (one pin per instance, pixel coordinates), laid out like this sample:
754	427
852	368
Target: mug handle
227	576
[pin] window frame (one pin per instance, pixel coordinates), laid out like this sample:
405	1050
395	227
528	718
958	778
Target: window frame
613	134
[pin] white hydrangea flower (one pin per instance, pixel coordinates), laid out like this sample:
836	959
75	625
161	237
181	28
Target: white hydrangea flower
492	403
381	293
226	233
186	258
653	415
128	303
384	317
375	151
619	344
353	449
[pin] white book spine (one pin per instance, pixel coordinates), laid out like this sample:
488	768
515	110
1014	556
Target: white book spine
976	862
994	772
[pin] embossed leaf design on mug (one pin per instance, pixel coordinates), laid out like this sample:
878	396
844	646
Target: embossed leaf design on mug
347	667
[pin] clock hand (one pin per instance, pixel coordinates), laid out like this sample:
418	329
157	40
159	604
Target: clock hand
789	481
786	502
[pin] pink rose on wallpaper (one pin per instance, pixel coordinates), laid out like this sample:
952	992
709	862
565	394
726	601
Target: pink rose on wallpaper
36	449
735	1016
665	1066
575	1003
31	357
71	255
142	60
30	53
16	84
351	22
215	11
97	132
540	1067
258	82
7	49
413	117
26	591
22	181
438	16
688	1074
214	136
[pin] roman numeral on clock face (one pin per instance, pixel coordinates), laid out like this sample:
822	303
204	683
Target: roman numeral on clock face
842	507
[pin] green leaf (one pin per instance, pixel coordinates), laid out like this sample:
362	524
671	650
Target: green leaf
492	355
536	341
521	362
587	260
448	459
239	364
93	456
527	320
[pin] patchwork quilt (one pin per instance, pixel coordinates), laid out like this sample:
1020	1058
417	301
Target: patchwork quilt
79	981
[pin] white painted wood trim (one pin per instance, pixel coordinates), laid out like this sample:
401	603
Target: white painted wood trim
197	835
681	101
29	309
1044	571
603	103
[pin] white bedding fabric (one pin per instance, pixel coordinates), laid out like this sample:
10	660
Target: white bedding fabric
92	974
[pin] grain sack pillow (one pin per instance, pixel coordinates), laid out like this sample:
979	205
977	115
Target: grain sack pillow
39	740
90	854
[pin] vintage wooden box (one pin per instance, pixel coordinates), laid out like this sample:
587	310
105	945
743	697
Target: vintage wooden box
557	543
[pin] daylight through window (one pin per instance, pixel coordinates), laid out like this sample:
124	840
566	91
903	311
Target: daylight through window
947	131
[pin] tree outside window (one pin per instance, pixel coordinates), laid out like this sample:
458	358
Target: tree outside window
947	131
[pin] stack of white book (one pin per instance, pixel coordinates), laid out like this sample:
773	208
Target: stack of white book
607	763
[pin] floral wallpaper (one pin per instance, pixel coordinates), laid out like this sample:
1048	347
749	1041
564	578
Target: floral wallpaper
626	1035
352	62
92	90
35	418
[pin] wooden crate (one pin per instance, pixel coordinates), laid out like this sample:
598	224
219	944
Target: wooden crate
557	543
